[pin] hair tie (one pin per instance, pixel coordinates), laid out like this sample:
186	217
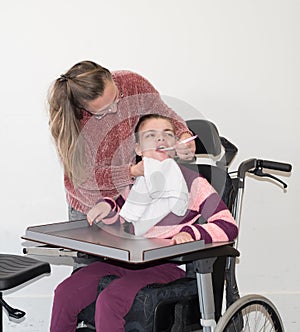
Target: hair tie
63	78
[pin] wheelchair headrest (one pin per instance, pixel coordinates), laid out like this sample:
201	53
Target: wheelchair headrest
208	140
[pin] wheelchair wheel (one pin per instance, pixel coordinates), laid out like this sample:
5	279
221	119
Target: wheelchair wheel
250	313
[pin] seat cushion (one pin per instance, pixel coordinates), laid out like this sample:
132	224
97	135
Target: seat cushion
155	306
141	315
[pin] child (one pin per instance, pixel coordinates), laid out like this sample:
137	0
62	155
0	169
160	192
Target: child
154	132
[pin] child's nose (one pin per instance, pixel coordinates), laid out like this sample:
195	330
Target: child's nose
160	137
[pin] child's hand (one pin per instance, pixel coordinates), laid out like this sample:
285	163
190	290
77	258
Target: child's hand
98	212
182	237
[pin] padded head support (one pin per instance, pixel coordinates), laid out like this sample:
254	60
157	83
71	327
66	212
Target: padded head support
208	140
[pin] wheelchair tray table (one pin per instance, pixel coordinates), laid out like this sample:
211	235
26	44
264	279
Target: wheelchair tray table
102	241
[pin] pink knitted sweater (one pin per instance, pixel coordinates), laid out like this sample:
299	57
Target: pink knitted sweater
217	223
109	142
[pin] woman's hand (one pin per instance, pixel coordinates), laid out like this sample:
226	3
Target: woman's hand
185	151
98	212
182	237
137	169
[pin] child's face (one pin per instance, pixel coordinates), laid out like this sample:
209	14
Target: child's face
155	134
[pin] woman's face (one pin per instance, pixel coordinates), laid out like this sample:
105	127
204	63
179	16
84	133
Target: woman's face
107	103
153	135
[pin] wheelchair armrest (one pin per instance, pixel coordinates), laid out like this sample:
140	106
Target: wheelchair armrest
220	251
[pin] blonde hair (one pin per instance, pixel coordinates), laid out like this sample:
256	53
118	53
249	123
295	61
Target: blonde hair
67	98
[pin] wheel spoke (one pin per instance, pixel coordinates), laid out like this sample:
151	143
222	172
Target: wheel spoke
252	313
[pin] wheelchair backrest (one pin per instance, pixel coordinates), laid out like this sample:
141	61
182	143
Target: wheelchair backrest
210	144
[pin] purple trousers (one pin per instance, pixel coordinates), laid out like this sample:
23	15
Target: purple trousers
113	303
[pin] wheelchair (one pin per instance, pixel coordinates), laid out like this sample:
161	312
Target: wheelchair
195	303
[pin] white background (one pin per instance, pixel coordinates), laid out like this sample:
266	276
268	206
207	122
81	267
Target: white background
235	61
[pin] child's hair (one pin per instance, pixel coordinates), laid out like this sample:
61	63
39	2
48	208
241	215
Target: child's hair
147	117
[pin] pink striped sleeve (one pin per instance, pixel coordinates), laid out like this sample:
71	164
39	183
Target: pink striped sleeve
220	224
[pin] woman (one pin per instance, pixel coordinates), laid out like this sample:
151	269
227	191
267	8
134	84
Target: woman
93	113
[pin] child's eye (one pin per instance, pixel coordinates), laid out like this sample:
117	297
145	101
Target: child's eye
170	134
149	135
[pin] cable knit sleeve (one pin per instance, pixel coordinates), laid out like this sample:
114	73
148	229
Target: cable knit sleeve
102	181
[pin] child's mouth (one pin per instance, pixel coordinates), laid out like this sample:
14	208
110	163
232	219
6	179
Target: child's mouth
165	148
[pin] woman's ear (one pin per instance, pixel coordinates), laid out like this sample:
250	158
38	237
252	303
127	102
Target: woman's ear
138	149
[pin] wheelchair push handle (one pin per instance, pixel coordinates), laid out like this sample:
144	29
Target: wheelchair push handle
256	166
277	166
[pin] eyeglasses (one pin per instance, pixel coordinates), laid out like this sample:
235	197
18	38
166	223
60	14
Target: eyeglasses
112	108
